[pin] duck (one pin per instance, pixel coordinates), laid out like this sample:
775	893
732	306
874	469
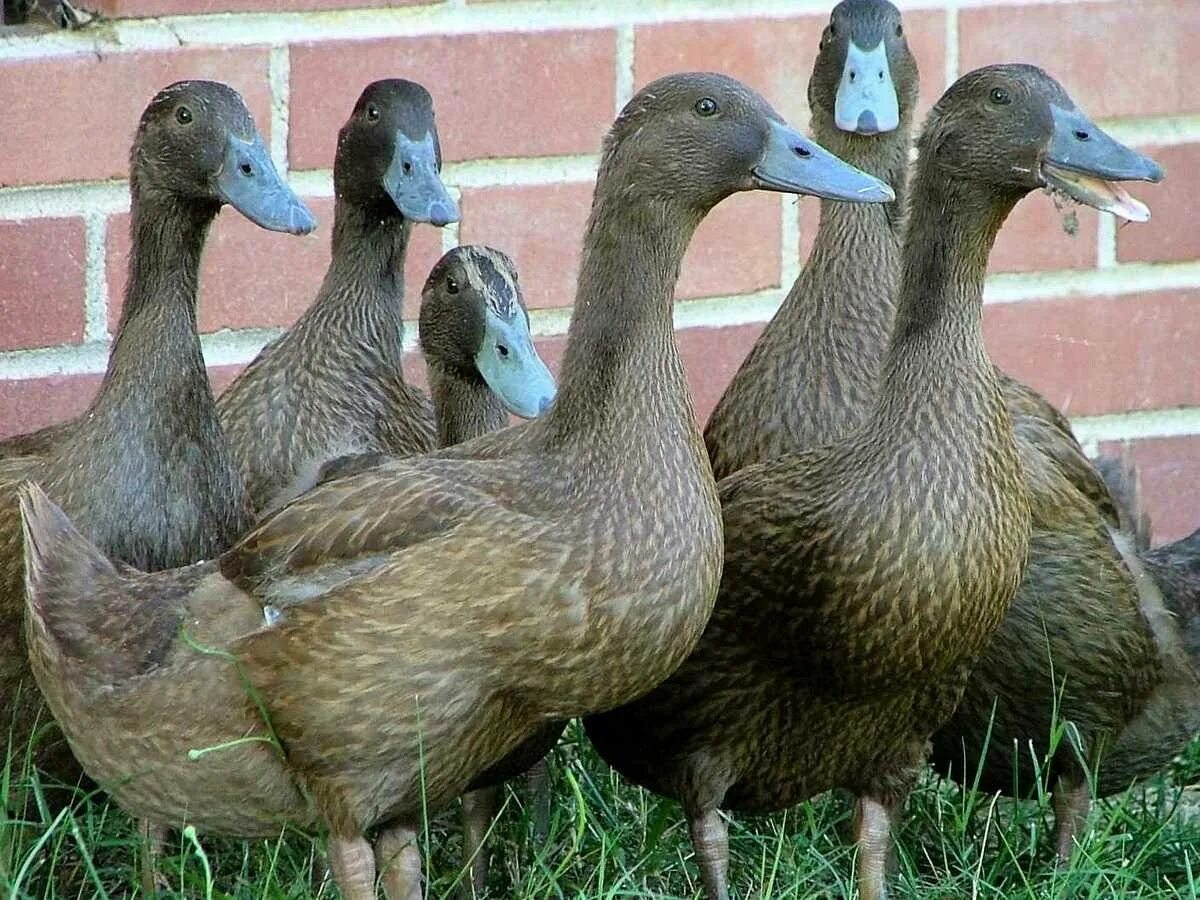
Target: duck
864	577
814	371
457	601
145	471
333	385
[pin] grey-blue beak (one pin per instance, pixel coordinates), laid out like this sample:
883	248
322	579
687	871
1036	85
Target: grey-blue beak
510	365
414	184
794	164
250	184
866	100
1084	162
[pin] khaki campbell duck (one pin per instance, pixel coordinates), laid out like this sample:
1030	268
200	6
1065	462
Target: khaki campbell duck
145	471
438	611
334	383
863	578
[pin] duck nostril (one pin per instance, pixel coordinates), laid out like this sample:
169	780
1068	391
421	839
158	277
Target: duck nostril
853	76
407	168
881	74
246	169
502	350
802	152
1081	135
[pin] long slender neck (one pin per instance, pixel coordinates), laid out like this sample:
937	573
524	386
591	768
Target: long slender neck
156	358
363	291
621	364
465	407
937	353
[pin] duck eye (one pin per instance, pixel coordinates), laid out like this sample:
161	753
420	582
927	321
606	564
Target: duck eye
706	106
372	113
999	96
183	115
451	285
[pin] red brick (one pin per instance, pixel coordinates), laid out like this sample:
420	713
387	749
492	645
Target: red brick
496	95
1171	234
773	55
253	278
1169	475
74	117
136	8
1035	237
736	249
1092	49
540	227
29	405
41	282
1095	355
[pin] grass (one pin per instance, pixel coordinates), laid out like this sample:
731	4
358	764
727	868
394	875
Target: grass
609	839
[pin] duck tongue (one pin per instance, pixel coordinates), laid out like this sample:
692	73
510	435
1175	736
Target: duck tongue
1096	192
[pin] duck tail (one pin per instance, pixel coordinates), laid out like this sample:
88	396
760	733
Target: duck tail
61	568
1175	568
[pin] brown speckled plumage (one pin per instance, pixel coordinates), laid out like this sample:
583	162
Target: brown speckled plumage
334	383
862	579
145	472
447	607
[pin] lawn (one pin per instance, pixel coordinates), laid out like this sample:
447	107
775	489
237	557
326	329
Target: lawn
608	839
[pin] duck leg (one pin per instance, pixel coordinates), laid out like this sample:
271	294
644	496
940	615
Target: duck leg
398	857
873	834
538	781
154	838
710	838
353	866
480	809
1072	803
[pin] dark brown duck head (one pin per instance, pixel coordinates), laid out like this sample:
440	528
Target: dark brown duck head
197	141
693	139
388	157
865	79
475	332
1011	129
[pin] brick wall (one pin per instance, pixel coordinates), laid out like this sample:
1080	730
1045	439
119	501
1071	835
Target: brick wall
1104	320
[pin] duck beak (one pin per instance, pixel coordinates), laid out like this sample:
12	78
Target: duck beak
1085	163
413	182
866	100
250	184
510	365
793	164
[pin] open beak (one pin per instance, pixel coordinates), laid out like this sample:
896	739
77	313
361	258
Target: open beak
1085	164
794	164
250	184
414	184
509	363
866	100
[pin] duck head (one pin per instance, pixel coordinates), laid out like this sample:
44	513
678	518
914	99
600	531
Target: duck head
474	321
197	140
1016	129
388	156
695	138
865	80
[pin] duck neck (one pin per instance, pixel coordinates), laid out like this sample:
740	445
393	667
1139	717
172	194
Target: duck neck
856	249
463	404
156	363
362	295
621	365
936	355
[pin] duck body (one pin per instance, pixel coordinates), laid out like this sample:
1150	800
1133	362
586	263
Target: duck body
333	385
145	471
